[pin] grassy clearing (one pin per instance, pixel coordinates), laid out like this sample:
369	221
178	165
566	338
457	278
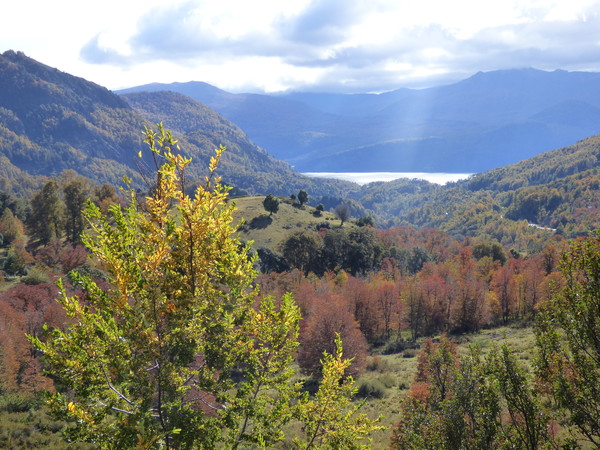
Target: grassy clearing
270	230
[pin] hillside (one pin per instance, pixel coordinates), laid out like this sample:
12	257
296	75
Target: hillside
556	191
486	121
269	231
244	165
51	121
480	254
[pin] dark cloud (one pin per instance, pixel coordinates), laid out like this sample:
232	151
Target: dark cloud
94	53
323	23
315	39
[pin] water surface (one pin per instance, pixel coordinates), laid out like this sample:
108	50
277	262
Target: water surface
369	177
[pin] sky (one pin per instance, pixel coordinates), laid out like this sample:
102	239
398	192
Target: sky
345	46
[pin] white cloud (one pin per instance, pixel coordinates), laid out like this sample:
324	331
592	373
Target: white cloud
350	45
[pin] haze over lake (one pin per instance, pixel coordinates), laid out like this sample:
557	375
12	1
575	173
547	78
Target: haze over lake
369	177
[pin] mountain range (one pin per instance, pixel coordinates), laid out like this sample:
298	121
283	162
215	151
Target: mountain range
486	121
51	121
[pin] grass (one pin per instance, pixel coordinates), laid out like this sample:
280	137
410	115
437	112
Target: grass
396	372
269	231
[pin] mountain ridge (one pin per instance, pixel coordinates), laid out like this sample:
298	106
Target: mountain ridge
474	121
51	121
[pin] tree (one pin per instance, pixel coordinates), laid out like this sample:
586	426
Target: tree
364	251
302	197
331	316
75	198
492	249
471	402
568	340
529	424
179	350
271	204
271	261
300	250
47	219
343	213
332	407
365	221
11	227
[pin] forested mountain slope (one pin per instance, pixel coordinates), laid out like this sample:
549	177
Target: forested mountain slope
243	164
51	121
554	192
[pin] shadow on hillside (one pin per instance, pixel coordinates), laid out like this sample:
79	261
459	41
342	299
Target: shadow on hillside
260	222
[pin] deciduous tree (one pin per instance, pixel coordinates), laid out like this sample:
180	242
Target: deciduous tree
331	316
568	339
343	213
471	402
180	350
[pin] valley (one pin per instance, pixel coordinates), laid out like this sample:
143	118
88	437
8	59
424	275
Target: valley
470	305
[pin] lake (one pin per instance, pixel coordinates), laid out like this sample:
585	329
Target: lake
369	177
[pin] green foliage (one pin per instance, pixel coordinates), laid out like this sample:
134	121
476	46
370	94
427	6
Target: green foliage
271	204
11	227
271	261
179	350
364	221
24	423
47	219
529	423
36	276
462	402
371	389
14	264
300	250
75	197
356	251
491	249
302	197
568	340
330	421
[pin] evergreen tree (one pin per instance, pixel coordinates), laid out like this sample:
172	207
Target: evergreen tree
302	197
47	218
75	198
271	204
